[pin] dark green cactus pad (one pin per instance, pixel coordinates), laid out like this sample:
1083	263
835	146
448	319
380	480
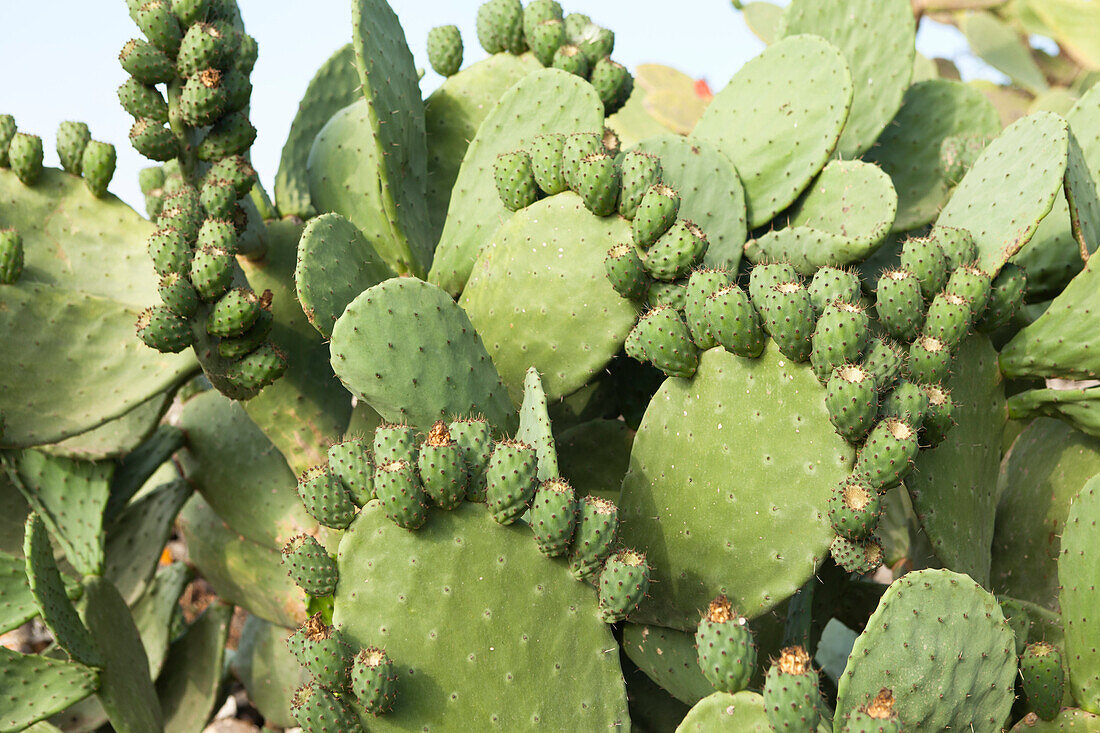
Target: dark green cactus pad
954	486
668	657
1010	188
268	670
1081	194
735	412
743	711
17	604
880	71
1046	467
310	566
116	438
378	348
1079	577
566	681
239	570
930	112
542	102
193	672
155	612
549	306
46	686
815	89
924	619
534	426
595	455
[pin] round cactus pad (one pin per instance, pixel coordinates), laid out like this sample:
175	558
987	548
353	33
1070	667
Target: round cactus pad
46	686
539	297
1079	575
484	631
779	120
729	479
721	711
926	622
669	658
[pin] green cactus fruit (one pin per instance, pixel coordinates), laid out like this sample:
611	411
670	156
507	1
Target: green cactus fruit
160	25
970	282
511	479
445	49
554	516
169	251
884	362
612	82
1006	297
597	525
667	343
856	556
238	91
352	465
623	585
442	468
98	167
163	330
204	98
233	313
924	257
734	323
725	646
248	51
218	198
374	680
899	304
625	271
595	42
840	337
182	210
146	63
7	134
474	436
397	487
766	276
211	272
318	710
633	346
676	252
206	46
948	318
907	402
958	246
324	498
231	135
393	442
939	417
791	695
877	716
574	149
545	39
673	294
929	361
515	180
854	508
249	341
570	58
72	137
323	651
852	400
25	157
257	369
539	11
888	454
831	284
11	256
597	180
640	172
178	295
500	26
702	284
236	171
655	214
310	566
190	12
575	24
789	319
153	140
546	163
143	101
217	233
1043	679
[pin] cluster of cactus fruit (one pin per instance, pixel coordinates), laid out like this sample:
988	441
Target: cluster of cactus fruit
564	398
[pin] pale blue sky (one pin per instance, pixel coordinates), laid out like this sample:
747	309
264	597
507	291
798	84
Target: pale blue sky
60	58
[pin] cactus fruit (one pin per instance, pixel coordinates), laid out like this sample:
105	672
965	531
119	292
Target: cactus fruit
831	284
72	137
233	313
597	182
877	716
791	694
733	322
923	257
899	304
146	63
7	134
625	271
163	330
929	360
907	402
726	648
322	650
211	272
853	401
178	295
1043	679
515	180
11	256
671	294
856	556
575	148
445	49
839	337
884	361
206	46
969	282
1006	297
153	140
142	101
442	468
319	710
324	498
640	171
939	417
25	157
597	525
854	508
676	251
570	58
540	11
623	584
98	166
160	25
888	453
958	246
702	283
374	680
309	566
398	488
611	79
231	135
545	38
949	318
257	369
654	215
546	163
510	480
352	465
666	341
474	436
766	276
789	319
554	516
251	344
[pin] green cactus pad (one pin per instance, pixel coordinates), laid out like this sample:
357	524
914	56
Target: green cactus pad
550	306
923	620
333	87
534	426
1069	720
542	102
192	679
743	711
841	219
807	78
154	612
1010	188
563	681
954	485
668	657
734	413
268	670
378	348
930	112
17	604
46	686
595	455
1079	577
